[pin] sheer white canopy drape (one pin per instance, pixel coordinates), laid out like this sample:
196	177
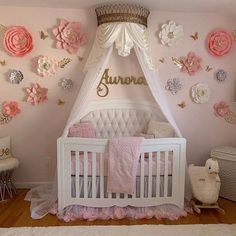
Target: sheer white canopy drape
124	36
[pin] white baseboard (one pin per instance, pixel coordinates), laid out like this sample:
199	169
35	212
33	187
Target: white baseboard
29	185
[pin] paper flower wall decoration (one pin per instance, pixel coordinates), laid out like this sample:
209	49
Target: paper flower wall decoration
191	64
10	108
69	36
4	119
16	76
17	41
173	85
36	94
200	93
219	42
66	84
221	75
171	33
223	110
46	66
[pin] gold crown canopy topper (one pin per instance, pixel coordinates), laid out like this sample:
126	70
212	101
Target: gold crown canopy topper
122	13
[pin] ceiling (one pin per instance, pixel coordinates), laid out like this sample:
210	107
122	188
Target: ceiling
217	6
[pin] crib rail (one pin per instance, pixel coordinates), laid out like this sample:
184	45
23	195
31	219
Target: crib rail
86	184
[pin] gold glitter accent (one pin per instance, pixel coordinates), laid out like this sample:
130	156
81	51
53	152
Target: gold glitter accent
3	29
177	62
43	36
234	35
4	119
194	36
122	13
64	62
230	117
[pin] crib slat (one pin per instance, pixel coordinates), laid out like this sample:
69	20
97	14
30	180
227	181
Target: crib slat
166	174
158	175
142	176
150	174
85	175
93	175
77	172
101	176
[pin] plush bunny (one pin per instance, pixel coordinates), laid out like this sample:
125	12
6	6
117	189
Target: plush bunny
205	182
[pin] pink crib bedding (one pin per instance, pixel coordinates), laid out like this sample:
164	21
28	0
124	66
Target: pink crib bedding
146	164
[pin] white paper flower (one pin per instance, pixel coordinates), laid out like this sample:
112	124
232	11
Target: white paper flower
171	33
46	66
200	93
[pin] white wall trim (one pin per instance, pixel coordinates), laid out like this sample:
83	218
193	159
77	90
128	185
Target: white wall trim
29	185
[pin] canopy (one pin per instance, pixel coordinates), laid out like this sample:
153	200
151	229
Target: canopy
124	36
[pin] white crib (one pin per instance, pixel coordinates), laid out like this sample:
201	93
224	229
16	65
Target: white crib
81	162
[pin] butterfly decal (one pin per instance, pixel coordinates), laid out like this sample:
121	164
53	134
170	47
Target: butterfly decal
80	58
234	35
208	68
182	104
43	36
3	62
60	102
162	60
177	62
194	36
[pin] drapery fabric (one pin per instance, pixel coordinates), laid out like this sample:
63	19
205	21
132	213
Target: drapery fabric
125	36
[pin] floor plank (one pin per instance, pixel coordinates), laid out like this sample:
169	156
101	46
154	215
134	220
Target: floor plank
16	213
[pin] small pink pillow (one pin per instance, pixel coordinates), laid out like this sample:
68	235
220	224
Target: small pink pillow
146	136
82	130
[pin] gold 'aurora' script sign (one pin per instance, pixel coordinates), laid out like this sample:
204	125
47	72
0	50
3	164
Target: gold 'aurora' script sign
103	90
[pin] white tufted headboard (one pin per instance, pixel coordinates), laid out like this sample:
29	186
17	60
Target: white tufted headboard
120	118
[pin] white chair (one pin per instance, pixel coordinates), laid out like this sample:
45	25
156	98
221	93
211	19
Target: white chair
6	170
7	165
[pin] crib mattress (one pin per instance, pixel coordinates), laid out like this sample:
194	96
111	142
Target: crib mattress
146	164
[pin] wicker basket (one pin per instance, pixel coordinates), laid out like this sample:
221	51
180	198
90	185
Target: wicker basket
226	157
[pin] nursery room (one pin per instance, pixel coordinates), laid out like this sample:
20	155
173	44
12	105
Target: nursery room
117	117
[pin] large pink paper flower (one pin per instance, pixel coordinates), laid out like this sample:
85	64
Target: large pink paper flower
191	64
219	42
10	108
36	94
221	109
69	36
18	41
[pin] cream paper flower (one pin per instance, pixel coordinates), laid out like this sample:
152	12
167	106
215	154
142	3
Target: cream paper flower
171	34
200	93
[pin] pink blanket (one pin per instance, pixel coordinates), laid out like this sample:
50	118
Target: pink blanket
123	163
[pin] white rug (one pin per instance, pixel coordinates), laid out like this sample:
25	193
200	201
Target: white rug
139	230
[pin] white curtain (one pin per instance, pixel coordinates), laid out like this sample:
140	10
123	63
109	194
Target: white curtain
125	36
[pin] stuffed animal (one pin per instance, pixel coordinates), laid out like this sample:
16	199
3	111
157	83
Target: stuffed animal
205	184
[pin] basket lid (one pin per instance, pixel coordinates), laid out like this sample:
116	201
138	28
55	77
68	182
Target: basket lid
224	152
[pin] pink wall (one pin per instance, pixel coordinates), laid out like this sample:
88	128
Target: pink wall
35	130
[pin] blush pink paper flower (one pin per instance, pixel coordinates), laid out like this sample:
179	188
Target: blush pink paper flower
221	109
69	36
10	108
36	94
17	41
219	42
191	64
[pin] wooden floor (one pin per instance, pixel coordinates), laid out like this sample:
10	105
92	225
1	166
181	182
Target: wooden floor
16	213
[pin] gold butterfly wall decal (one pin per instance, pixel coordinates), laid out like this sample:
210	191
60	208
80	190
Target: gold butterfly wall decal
234	35
3	62
177	62
60	102
162	60
182	104
3	29
208	68
43	36
80	58
194	36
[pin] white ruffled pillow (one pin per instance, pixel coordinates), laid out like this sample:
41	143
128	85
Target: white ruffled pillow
160	129
5	147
